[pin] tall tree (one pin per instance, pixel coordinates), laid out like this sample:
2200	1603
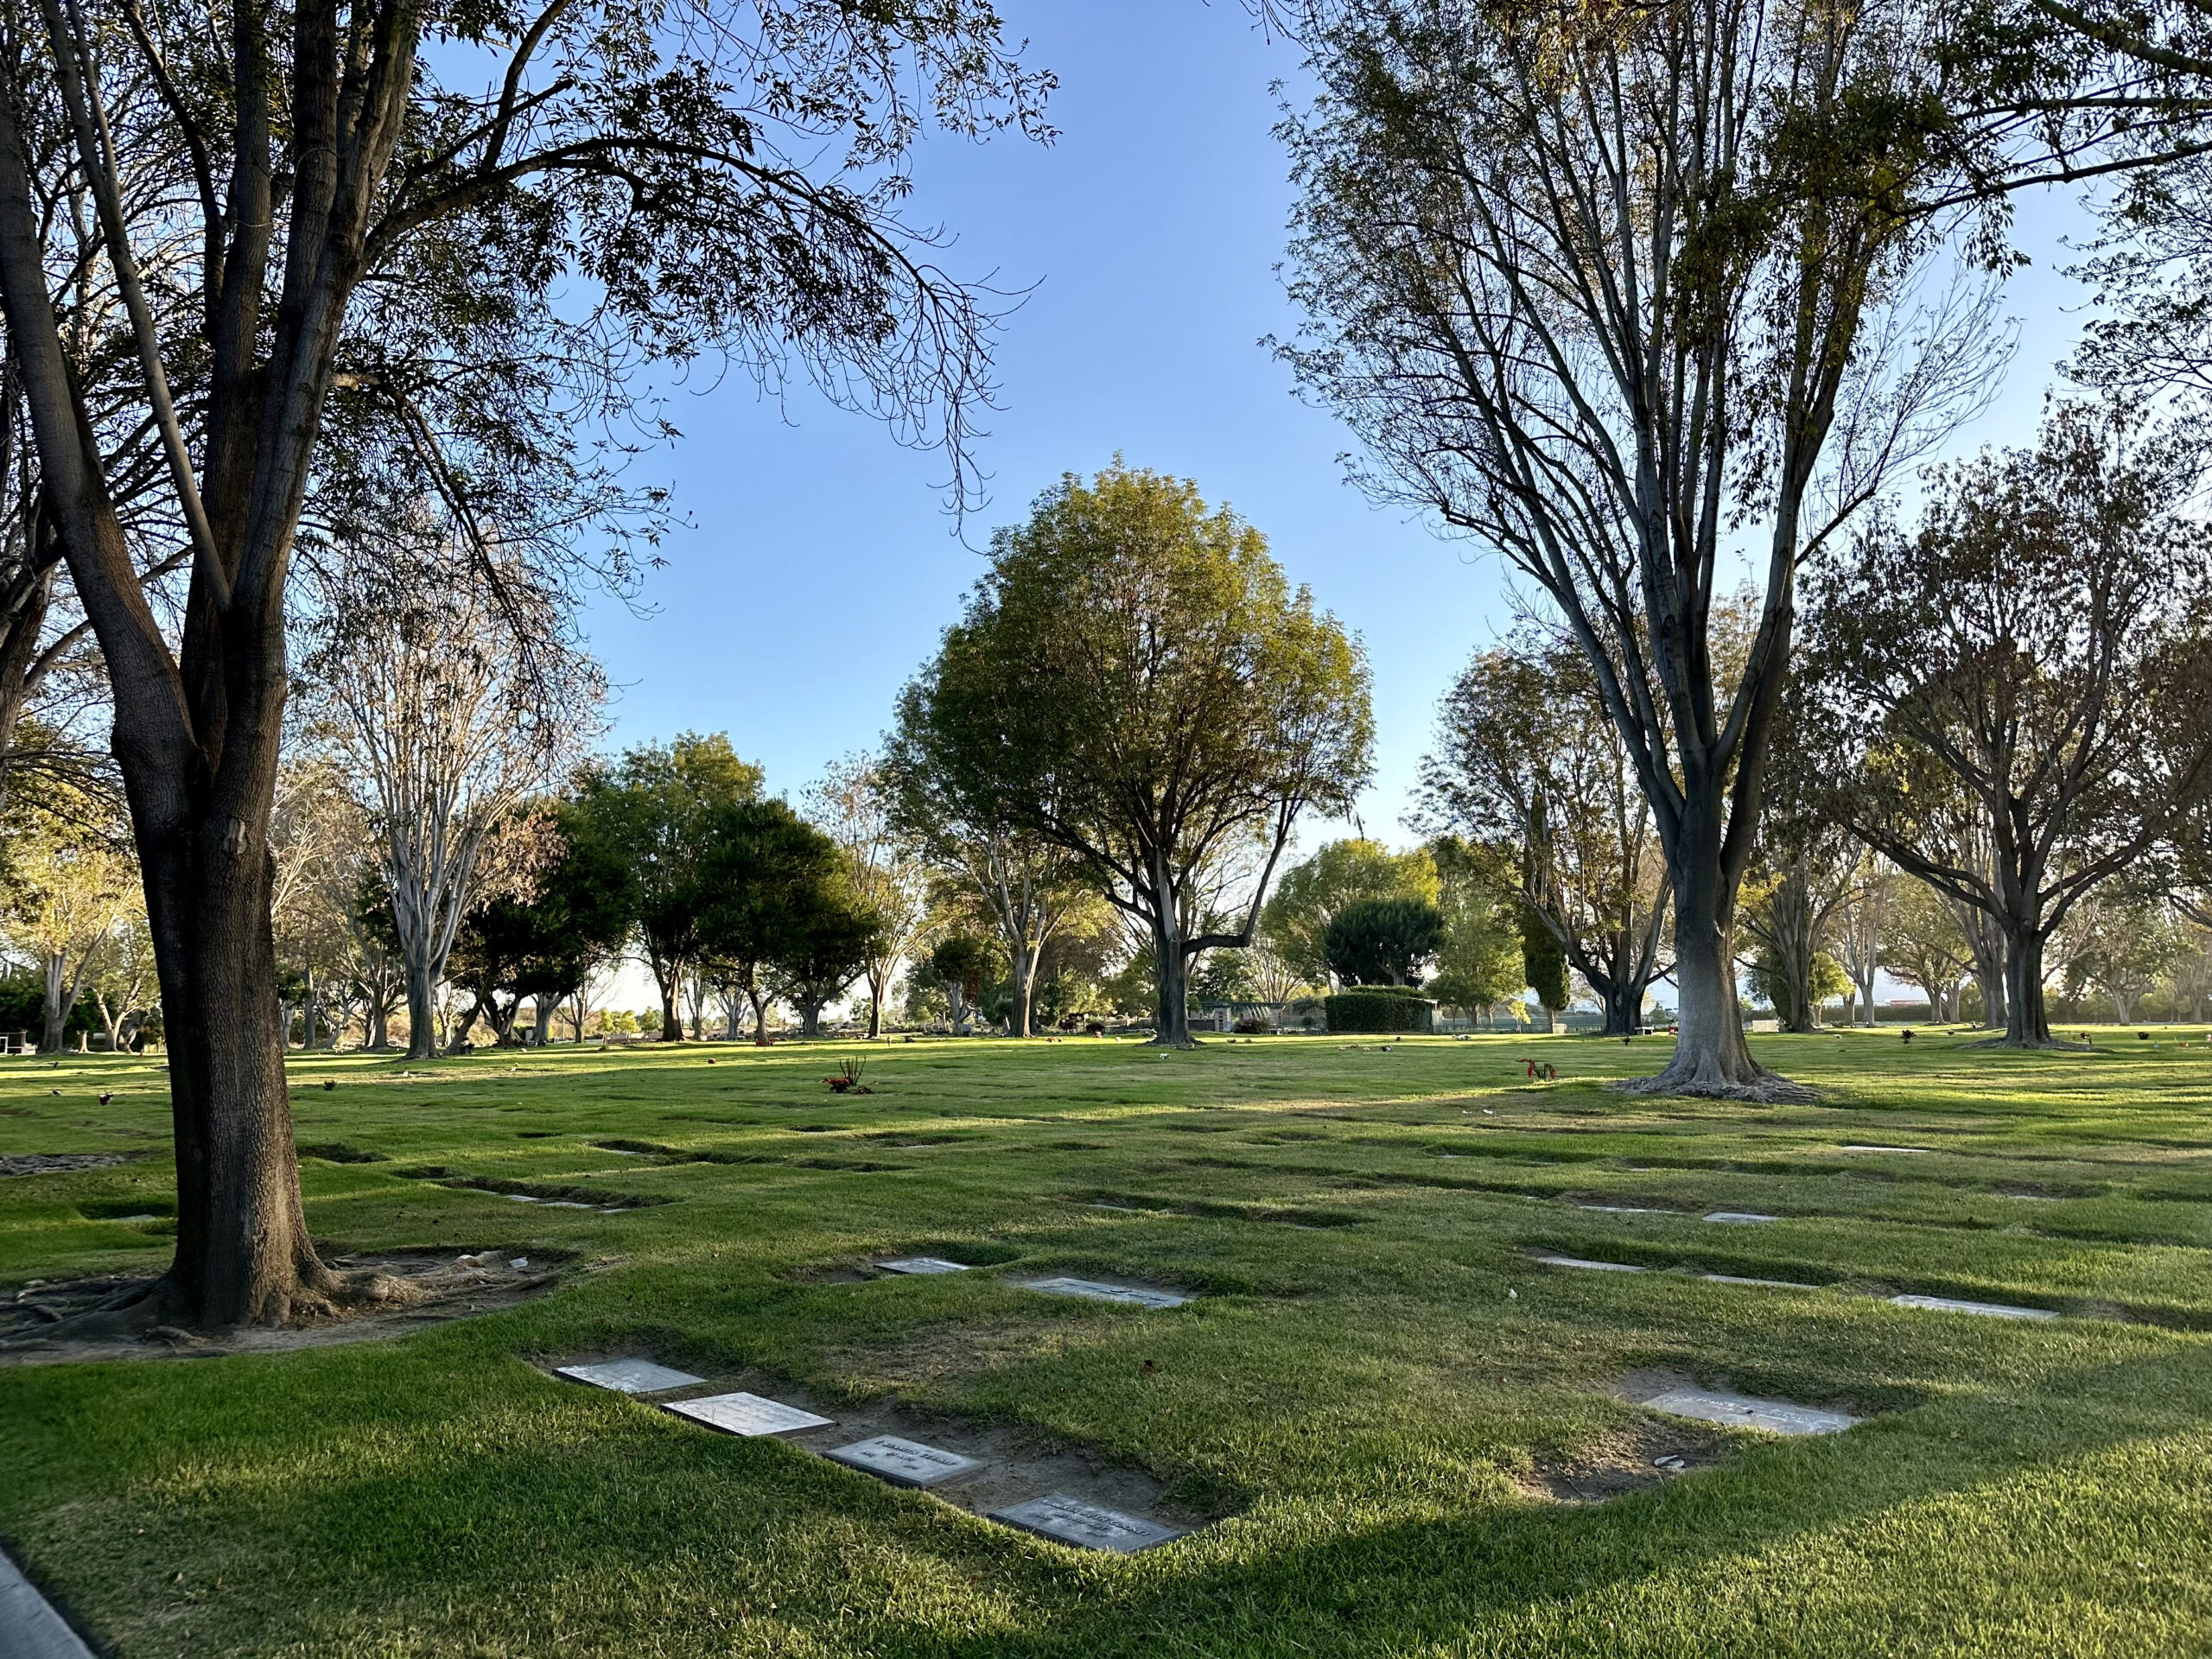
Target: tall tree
856	806
1485	958
659	810
317	191
1028	886
2122	943
321	839
1135	680
2034	650
763	874
958	961
446	722
373	960
1527	757
1924	945
833	935
1295	919
1802	874
1600	287
70	888
1858	933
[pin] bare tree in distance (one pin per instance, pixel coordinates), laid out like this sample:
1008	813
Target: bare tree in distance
1029	887
443	727
1857	931
2031	657
1526	754
854	803
1926	947
1608	291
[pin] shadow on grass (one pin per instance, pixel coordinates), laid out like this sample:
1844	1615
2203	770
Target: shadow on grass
492	1505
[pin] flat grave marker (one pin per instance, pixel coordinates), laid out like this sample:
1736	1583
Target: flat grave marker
629	1375
922	1264
1067	1520
747	1413
1740	1218
1987	1310
1848	1147
1098	1291
905	1463
1593	1266
1744	1411
1738	1279
1621	1209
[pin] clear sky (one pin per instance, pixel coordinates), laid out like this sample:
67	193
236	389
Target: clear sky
821	566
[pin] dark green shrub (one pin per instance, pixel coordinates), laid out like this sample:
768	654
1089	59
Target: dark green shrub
1387	1008
1381	941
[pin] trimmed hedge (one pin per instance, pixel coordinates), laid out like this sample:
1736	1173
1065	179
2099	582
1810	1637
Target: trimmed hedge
1380	1008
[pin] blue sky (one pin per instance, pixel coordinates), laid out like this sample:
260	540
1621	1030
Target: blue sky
820	565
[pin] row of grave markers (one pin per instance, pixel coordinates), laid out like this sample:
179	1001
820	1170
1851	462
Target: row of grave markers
1933	1304
902	1462
1067	1520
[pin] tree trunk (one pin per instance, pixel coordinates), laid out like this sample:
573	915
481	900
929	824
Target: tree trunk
456	1039
731	1027
809	1019
1022	967
2026	1023
1623	1003
760	1019
672	1026
879	981
422	1009
1991	980
55	1017
1790	933
243	1256
1172	975
1711	1057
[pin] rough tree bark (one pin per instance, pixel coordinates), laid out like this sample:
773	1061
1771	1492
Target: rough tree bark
197	735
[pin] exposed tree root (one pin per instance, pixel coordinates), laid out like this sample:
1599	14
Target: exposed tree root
1765	1089
111	1318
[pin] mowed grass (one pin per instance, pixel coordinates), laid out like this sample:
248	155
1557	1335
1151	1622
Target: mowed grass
1370	1398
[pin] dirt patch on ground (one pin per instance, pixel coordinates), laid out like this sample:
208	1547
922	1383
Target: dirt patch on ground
1632	1460
558	1197
61	1163
337	1152
442	1287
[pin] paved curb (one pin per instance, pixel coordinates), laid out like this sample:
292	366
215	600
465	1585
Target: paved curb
29	1628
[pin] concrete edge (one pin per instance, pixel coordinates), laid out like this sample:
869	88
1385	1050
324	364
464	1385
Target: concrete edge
29	1628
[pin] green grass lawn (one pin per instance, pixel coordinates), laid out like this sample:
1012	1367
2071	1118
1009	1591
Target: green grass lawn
1381	1406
